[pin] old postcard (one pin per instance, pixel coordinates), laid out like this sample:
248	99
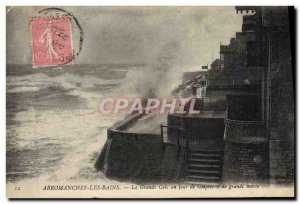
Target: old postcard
150	102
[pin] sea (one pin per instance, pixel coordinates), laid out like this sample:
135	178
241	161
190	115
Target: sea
53	129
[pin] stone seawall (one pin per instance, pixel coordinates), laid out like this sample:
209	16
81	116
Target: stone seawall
132	159
137	157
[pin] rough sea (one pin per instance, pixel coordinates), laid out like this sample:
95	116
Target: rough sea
53	130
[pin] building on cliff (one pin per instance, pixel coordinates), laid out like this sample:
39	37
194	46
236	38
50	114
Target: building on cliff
245	130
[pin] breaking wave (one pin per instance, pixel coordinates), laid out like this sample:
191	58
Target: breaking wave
35	82
53	131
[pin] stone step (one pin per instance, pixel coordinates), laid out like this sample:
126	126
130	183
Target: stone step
207	167
201	151
202	156
204	166
204	161
202	178
203	172
203	182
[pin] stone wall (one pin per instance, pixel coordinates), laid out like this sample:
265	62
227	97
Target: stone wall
133	160
282	162
245	162
245	107
207	132
138	157
173	163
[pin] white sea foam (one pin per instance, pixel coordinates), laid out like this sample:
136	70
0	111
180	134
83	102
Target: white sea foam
62	144
78	133
34	82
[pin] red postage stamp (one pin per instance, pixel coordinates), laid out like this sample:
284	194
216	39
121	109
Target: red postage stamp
51	41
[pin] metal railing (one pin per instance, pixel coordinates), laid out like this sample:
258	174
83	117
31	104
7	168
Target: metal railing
184	168
174	135
178	136
236	130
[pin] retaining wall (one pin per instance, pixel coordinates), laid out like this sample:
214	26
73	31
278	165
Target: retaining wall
245	162
136	157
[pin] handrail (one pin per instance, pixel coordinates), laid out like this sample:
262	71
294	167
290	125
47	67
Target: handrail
186	155
175	127
179	132
179	145
245	121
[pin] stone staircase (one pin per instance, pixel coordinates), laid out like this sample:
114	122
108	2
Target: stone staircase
204	166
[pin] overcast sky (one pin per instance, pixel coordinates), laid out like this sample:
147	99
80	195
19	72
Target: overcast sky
134	34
